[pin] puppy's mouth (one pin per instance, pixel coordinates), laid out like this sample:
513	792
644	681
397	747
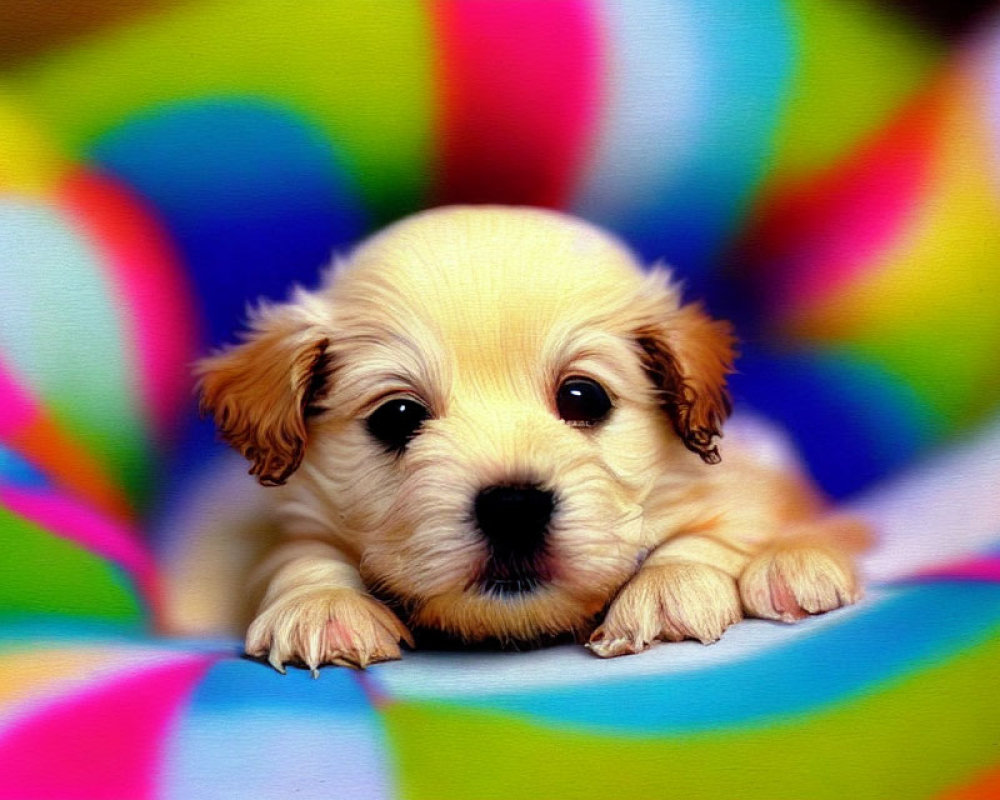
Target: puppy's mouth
506	577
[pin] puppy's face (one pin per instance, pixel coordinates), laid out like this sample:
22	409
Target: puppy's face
478	408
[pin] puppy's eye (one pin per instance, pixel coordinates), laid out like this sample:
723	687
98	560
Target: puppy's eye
396	422
582	401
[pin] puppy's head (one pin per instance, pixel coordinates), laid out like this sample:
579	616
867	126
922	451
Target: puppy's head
480	406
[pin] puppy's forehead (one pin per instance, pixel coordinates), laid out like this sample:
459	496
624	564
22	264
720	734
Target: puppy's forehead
493	270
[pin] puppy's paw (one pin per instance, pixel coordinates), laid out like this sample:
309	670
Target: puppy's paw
670	603
326	626
795	581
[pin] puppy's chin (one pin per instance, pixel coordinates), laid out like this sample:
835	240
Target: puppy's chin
481	600
502	614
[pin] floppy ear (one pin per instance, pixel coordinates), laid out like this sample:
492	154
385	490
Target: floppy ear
259	391
688	355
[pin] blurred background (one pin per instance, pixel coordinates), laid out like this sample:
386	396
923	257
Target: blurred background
826	173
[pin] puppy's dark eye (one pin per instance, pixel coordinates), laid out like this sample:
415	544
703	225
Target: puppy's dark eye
396	422
582	401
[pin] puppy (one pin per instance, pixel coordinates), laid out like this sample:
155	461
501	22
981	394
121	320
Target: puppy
495	420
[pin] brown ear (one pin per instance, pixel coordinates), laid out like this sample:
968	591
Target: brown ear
688	355
259	391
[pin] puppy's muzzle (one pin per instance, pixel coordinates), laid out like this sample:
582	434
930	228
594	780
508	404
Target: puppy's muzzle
514	520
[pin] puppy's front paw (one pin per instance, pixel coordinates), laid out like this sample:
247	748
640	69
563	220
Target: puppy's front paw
669	602
795	581
326	626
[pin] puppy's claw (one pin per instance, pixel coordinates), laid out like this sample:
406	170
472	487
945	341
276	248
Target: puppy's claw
792	583
274	659
326	626
670	602
605	647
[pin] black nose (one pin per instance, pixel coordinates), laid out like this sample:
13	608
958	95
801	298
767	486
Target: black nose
514	519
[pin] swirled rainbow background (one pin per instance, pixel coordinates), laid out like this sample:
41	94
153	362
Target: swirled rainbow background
826	173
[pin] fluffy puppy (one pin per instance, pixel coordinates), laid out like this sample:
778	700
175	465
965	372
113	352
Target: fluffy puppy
493	419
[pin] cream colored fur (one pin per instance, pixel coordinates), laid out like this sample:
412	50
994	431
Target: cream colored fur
480	313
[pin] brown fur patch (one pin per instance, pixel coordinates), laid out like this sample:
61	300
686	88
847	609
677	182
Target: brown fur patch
688	357
260	393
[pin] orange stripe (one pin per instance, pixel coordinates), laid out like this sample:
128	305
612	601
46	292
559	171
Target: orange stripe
986	786
68	464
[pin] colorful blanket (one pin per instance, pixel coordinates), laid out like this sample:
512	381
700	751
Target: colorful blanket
824	173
